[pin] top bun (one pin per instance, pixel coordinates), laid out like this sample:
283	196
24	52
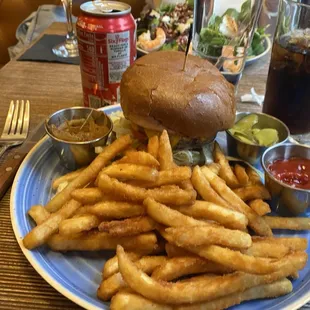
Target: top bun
196	103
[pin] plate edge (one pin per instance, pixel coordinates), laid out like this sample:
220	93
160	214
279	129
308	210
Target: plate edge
29	256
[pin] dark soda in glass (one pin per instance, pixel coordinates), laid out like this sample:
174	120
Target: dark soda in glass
288	85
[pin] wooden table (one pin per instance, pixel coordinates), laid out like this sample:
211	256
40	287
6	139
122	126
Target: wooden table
49	87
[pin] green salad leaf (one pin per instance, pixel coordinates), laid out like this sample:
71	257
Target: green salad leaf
166	8
245	13
172	46
258	46
214	23
212	40
191	3
232	12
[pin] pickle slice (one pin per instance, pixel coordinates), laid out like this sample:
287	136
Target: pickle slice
245	139
266	137
255	131
246	123
246	130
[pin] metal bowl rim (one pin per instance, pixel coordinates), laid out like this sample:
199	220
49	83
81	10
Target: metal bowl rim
260	113
77	142
272	177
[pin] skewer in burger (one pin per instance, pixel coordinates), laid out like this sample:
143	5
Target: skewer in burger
192	105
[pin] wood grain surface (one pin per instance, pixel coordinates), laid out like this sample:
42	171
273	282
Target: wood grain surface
49	87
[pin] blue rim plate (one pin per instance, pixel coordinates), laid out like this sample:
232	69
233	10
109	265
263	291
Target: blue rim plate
77	275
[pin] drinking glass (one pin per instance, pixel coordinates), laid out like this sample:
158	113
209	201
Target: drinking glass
68	48
288	84
223	33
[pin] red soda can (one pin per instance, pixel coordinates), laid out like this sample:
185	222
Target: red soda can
106	33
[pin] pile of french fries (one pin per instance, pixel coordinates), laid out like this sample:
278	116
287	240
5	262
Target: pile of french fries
185	238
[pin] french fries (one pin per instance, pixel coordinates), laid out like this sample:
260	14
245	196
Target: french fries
203	187
113	210
187	185
204	235
128	227
294	244
131	172
90	173
225	172
259	206
96	241
76	225
254	178
153	146
215	168
241	262
210	211
128	300
241	175
111	266
178	267
165	152
257	223
146	204
114	283
66	178
88	196
292	223
252	192
175	251
201	277
275	289
169	194
175	175
267	249
203	290
39	214
139	158
166	216
40	234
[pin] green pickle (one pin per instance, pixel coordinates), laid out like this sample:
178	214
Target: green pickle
266	137
247	130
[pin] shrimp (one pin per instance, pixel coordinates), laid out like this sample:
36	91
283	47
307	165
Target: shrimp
229	27
149	45
235	64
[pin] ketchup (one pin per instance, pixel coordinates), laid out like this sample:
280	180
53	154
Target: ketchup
294	171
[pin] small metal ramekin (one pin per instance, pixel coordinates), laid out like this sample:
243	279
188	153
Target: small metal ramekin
286	200
250	152
77	154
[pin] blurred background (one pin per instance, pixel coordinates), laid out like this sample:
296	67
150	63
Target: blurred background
14	12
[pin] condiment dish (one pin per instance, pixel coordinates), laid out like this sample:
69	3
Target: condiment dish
74	154
252	152
286	199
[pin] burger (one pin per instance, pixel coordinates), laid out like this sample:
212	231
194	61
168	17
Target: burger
191	104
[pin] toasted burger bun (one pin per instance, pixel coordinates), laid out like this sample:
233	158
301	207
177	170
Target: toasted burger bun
196	103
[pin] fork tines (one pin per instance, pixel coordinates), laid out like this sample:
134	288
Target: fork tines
17	120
